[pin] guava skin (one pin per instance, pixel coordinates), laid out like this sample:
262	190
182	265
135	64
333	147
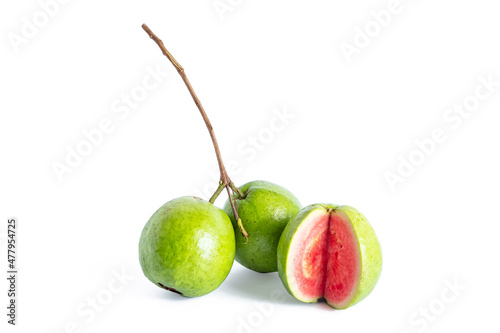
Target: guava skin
187	247
265	210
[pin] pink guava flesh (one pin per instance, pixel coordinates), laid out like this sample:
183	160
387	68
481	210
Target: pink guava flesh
311	258
328	262
344	262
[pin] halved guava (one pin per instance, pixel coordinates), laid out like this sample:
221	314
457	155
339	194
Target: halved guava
329	252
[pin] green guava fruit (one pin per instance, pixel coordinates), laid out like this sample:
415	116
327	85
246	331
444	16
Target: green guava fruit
187	247
265	210
329	252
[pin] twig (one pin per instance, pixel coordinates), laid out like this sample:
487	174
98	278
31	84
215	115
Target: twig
225	181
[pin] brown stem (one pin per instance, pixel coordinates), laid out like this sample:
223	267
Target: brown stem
224	177
180	70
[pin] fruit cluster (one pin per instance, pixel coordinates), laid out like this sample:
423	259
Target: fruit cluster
322	251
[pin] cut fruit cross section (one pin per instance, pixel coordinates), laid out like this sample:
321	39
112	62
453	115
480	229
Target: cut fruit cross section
329	252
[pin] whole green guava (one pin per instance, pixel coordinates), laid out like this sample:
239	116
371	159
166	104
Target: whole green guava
265	210
187	247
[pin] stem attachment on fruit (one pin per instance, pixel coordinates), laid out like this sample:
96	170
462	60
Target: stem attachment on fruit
237	190
225	181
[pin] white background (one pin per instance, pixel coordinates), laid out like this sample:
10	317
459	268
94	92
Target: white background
349	123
